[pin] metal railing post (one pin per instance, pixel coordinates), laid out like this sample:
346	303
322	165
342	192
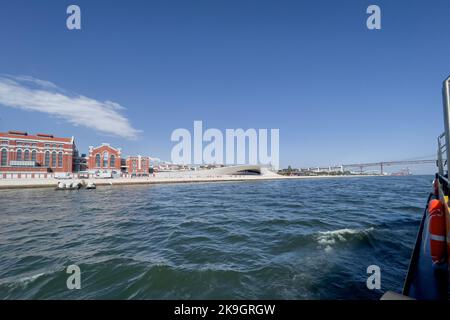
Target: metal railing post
439	158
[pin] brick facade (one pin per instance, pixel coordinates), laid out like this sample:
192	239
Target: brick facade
138	165
104	158
20	151
43	155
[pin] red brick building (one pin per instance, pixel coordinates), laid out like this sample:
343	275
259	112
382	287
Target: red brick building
21	153
138	165
104	158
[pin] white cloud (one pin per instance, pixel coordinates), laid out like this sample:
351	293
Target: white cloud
31	94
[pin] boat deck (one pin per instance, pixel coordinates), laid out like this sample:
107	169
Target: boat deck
424	281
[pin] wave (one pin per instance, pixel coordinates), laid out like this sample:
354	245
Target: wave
31	278
329	238
21	281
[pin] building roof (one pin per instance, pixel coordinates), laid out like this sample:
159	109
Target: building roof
136	157
105	145
39	136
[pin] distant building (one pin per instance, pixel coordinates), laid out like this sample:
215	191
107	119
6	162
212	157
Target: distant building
138	165
45	156
104	158
32	156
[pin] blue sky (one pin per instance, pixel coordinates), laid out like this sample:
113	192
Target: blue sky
338	92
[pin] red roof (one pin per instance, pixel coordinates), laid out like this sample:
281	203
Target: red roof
39	136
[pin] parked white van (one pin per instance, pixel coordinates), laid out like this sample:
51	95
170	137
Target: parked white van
62	175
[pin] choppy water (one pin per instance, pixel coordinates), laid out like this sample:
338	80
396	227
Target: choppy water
302	239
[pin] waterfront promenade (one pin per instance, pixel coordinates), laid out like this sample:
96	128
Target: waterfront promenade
51	182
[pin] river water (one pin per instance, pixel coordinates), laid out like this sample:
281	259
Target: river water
294	239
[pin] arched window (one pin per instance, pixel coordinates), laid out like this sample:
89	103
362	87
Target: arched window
60	159
33	155
4	158
54	159
26	155
19	155
112	161
97	160
105	159
47	159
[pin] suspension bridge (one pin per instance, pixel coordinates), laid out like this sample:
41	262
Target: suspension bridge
362	166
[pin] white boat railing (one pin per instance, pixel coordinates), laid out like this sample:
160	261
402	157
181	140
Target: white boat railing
441	154
446	134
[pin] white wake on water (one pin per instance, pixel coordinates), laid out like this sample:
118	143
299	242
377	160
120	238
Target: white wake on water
31	278
328	238
23	281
